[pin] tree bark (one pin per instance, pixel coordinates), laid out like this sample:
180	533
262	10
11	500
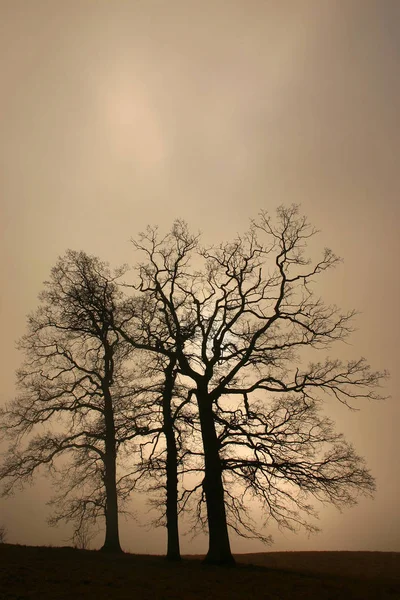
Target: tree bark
219	551
111	542
173	550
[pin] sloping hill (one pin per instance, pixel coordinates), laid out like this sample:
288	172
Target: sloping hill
370	565
69	574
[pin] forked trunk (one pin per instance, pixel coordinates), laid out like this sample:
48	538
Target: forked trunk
219	551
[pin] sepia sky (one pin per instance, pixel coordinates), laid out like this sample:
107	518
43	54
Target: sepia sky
115	114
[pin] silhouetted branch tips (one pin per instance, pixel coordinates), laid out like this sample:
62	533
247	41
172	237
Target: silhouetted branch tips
3	534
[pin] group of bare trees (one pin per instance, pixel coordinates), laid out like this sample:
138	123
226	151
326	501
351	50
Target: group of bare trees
192	375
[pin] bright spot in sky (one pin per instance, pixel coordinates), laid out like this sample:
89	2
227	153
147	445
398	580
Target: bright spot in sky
128	120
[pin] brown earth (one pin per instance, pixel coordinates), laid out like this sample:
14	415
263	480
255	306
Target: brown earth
65	573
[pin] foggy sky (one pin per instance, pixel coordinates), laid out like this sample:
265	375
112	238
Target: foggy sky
116	114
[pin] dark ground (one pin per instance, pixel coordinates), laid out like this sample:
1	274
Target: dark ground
66	573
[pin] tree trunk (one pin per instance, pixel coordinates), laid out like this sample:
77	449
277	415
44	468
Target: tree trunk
111	542
219	551
173	550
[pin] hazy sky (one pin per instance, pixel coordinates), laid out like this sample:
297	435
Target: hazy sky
115	114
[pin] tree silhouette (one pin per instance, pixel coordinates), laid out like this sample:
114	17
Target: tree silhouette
164	449
237	318
75	393
140	324
216	365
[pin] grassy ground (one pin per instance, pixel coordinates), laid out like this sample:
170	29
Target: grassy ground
66	573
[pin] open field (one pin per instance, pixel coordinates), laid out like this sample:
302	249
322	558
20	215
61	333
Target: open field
66	573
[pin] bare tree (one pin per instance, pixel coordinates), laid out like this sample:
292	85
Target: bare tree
75	393
237	318
161	420
143	327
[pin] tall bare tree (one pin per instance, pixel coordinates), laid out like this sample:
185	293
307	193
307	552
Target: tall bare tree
142	326
237	318
75	395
